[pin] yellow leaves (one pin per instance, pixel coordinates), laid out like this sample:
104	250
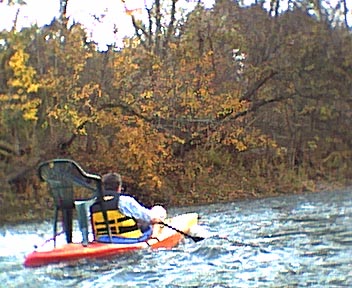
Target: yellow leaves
131	42
309	67
147	94
23	86
4	98
30	110
240	146
243	139
129	99
291	88
178	139
142	150
71	117
87	91
172	46
307	109
326	113
156	66
134	66
312	145
233	140
23	78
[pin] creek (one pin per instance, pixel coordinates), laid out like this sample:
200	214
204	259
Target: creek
290	241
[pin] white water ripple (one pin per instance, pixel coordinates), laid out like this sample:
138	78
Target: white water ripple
291	241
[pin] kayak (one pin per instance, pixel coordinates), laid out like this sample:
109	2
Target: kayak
162	236
72	188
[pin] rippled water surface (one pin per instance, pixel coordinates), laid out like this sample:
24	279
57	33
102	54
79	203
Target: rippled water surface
295	241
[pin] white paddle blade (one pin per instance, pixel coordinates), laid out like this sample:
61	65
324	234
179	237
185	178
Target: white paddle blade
200	231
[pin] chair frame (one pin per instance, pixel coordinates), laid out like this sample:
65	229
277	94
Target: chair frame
62	175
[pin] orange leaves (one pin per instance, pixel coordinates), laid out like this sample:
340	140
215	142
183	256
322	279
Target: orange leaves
142	150
87	91
131	12
133	7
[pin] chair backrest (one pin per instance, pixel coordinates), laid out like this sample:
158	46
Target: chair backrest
67	183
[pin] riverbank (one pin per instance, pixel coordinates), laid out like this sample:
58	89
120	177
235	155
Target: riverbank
16	210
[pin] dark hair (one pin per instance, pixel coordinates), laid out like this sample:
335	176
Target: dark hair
112	181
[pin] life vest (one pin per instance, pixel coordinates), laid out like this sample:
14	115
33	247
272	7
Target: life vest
119	224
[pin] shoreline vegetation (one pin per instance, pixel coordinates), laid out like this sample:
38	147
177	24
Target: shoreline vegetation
226	103
20	210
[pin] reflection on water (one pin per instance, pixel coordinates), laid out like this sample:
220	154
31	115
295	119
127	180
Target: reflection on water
304	241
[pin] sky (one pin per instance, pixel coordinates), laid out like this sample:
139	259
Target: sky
42	12
112	14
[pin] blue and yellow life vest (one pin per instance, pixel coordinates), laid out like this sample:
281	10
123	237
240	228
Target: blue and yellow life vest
119	224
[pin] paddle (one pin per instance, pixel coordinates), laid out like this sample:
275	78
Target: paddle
198	239
194	238
239	243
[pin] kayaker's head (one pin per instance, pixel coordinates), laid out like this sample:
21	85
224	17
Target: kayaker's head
112	181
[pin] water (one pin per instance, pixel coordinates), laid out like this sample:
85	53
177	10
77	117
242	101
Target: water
291	241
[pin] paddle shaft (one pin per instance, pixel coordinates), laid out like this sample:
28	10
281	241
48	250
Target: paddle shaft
194	238
197	239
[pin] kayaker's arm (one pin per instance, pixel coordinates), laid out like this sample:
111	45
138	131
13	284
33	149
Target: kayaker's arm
130	207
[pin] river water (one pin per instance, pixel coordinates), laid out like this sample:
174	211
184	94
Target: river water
291	241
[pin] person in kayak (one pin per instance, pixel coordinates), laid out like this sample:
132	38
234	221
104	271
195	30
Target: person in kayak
126	216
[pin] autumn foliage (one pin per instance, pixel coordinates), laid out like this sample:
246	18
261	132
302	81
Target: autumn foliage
231	102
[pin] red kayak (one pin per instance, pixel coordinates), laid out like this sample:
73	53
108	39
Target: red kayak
74	189
162	237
